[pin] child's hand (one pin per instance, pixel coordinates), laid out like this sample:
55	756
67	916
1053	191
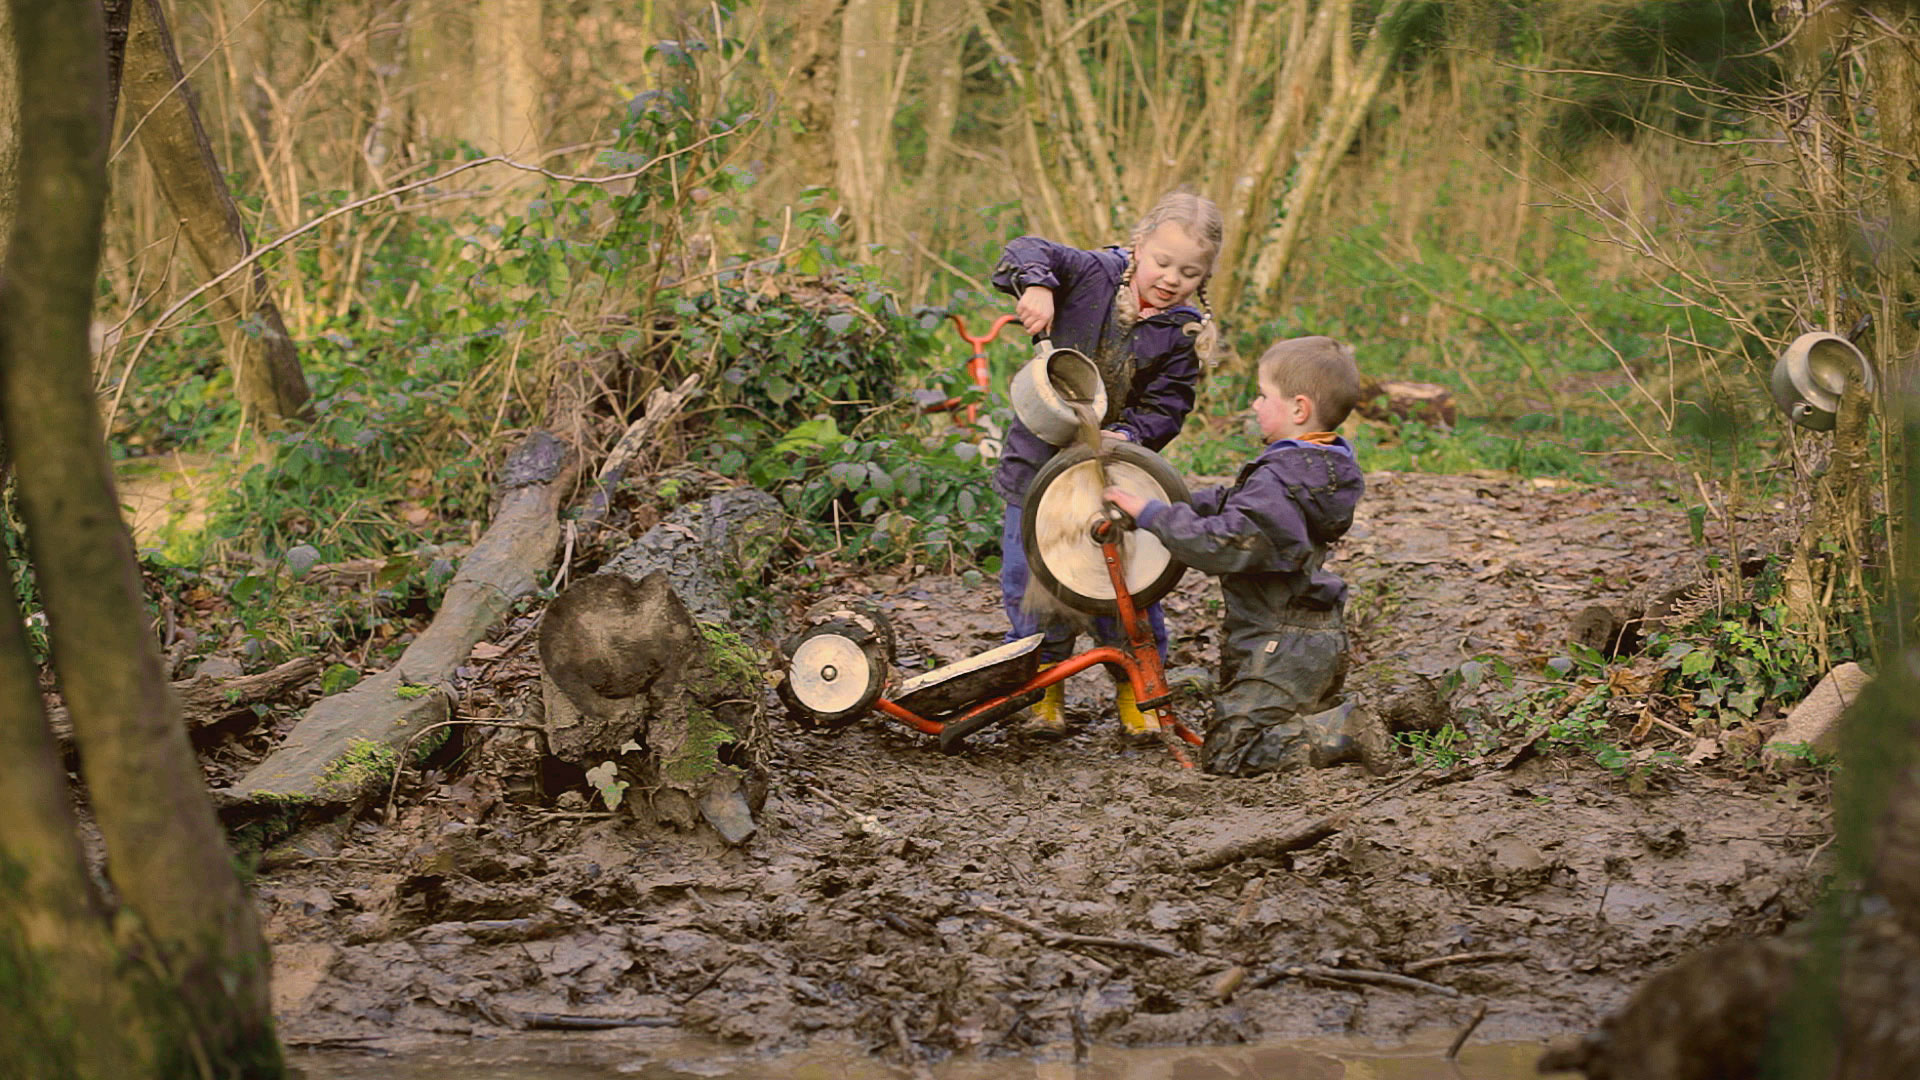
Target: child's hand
1035	309
1126	500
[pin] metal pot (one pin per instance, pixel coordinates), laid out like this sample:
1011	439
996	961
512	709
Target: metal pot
1046	389
1810	376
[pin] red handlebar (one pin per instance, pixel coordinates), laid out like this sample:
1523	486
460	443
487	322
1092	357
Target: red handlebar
978	364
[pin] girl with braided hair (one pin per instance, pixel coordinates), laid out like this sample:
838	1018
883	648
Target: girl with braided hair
1126	308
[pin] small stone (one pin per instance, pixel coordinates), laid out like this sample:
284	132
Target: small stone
220	667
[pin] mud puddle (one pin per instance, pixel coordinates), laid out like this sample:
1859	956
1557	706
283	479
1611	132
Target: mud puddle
521	1058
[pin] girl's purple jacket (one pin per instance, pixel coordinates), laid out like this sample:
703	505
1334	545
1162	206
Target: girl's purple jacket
1267	533
1166	371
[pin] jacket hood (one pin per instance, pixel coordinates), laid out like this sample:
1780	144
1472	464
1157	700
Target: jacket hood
1323	478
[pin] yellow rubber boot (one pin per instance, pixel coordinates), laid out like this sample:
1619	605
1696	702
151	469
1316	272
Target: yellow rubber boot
1132	719
1049	714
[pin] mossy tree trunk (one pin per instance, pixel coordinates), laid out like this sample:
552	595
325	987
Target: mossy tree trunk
175	983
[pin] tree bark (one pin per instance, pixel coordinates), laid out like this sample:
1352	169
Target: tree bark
1245	210
57	959
167	857
1339	120
267	375
508	37
863	117
9	123
945	75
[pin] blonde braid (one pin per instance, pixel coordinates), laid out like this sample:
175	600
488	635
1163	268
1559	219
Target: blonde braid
1126	306
1206	332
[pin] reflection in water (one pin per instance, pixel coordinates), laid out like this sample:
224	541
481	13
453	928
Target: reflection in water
653	1056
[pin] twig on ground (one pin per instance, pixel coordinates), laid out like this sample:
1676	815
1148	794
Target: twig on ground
1418	966
568	1022
1051	936
1344	976
708	984
873	825
1815	853
1312	832
1300	836
1466	1033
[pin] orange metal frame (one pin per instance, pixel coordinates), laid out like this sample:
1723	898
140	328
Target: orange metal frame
976	364
1139	658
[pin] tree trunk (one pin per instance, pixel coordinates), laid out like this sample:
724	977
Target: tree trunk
945	75
167	857
57	958
9	122
1245	209
267	376
804	146
1354	94
508	38
863	114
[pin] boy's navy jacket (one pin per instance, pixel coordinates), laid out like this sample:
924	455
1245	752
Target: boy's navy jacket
1268	531
1166	370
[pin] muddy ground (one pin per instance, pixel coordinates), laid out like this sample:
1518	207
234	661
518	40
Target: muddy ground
932	905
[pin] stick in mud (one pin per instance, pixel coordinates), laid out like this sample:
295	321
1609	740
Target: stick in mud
1051	936
1466	1033
1418	966
1319	973
1304	836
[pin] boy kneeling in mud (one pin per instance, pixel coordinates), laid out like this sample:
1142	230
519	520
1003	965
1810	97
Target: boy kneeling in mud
1284	658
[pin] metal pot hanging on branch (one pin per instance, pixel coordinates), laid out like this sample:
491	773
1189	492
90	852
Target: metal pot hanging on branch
1810	377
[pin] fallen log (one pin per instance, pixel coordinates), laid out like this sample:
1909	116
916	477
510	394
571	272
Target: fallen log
343	751
206	700
1392	399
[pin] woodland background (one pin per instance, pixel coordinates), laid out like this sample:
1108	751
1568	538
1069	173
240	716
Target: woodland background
1596	221
418	230
393	238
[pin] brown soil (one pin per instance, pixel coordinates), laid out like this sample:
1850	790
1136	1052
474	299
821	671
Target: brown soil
899	896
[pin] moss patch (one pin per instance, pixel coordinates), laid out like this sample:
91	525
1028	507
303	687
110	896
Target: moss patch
365	763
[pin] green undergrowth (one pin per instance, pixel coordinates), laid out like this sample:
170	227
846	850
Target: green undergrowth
1707	690
817	376
1542	361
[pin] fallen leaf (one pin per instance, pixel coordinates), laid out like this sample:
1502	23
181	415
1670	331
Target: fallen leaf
1704	749
487	650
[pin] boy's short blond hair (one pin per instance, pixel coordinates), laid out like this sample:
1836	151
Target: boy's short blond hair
1319	367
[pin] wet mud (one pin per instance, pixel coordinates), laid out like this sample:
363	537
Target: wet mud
1030	897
